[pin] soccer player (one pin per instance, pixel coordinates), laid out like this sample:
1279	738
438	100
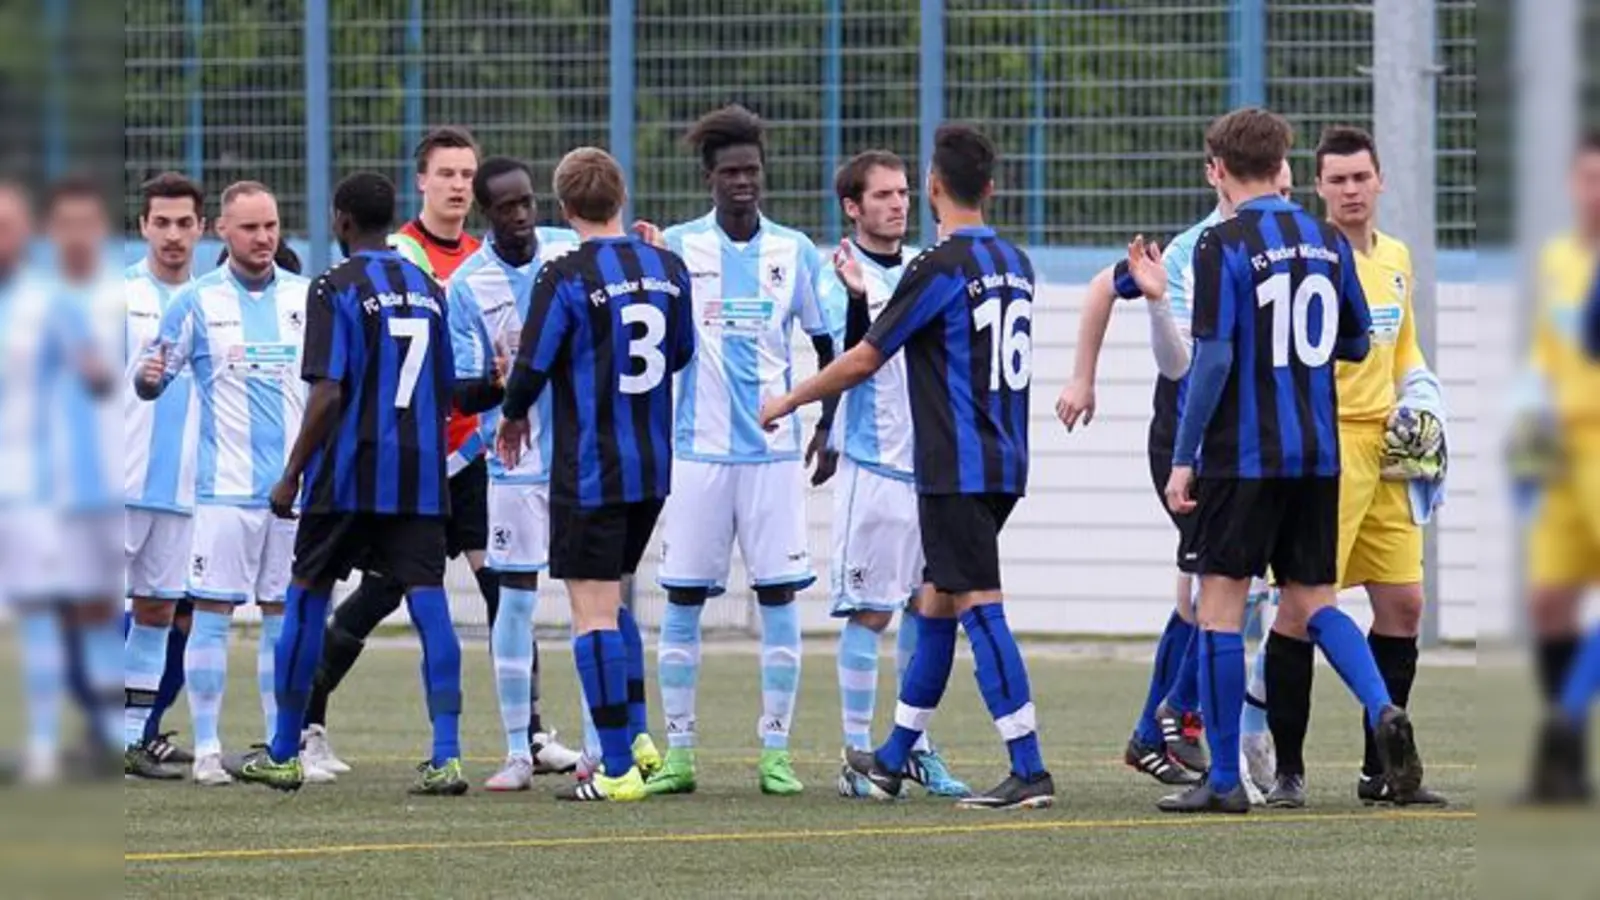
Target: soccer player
877	548
493	288
963	313
1380	542
371	454
446	161
239	329
84	434
1166	740
1276	297
608	326
753	279
159	453
1556	455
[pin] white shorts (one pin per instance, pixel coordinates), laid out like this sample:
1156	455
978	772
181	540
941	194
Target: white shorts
156	552
763	504
92	566
240	554
519	527
877	543
30	554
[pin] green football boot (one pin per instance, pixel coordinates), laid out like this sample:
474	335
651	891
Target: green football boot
646	756
440	781
257	767
676	775
777	774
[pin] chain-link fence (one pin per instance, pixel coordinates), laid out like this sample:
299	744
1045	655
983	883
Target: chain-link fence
1099	112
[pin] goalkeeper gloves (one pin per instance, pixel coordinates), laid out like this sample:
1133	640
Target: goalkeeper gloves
1413	446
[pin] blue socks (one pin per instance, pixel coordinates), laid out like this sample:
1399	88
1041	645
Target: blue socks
1003	681
1583	680
858	682
780	672
266	669
441	668
1254	720
1348	652
905	647
603	670
678	670
43	679
920	690
171	681
144	653
511	645
1222	700
1171	651
633	645
205	667
299	648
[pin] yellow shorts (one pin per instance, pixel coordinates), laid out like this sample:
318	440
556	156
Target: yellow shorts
1564	538
1378	541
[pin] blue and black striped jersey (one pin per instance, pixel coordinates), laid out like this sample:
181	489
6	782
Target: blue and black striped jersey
608	326
1280	287
963	311
377	324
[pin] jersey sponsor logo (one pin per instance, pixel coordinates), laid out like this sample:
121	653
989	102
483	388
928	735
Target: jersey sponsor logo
262	360
222	323
1386	322
742	316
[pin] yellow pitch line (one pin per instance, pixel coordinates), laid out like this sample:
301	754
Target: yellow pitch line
803	835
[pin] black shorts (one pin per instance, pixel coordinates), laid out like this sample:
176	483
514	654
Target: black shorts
961	539
468	525
1160	471
408	549
1244	526
601	543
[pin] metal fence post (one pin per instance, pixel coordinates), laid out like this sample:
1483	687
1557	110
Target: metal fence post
930	99
622	95
1036	204
194	138
832	112
412	130
1247	53
319	161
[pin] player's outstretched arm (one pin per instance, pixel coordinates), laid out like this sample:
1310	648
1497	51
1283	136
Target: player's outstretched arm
321	417
1077	400
841	375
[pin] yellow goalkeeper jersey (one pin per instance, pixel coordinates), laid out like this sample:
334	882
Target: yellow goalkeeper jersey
1367	389
1566	270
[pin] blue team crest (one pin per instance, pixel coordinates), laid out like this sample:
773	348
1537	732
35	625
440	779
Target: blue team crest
776	275
1399	284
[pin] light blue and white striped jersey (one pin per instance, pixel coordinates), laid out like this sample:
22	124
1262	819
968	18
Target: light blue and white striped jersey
88	429
1178	259
38	342
745	301
161	436
489	292
877	413
244	349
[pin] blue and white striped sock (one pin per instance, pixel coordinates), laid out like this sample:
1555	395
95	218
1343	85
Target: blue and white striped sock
205	669
144	658
780	673
678	670
511	642
266	668
43	679
858	683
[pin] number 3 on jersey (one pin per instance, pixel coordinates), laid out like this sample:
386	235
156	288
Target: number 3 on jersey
1011	349
415	334
1274	292
645	348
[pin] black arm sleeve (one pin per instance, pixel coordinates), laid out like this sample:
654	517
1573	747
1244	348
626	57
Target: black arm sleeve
478	395
857	319
824	347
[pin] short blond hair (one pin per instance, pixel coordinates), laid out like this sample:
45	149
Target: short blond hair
589	185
